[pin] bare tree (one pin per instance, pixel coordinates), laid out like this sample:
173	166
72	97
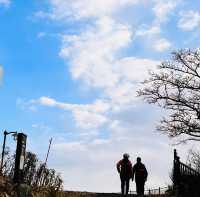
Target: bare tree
30	167
175	86
46	177
194	159
35	173
8	166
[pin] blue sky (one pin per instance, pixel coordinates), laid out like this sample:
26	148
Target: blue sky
70	70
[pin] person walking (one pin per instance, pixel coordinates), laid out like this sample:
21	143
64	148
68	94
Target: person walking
124	168
140	173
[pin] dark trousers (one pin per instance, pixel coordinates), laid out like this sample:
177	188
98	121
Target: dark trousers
125	185
140	187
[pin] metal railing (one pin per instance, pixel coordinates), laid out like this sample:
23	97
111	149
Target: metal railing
183	168
186	180
157	191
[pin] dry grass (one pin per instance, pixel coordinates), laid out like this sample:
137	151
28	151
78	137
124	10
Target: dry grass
7	190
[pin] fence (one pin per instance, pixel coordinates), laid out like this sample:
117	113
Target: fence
158	191
186	180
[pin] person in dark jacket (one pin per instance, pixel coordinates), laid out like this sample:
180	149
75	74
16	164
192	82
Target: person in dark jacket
140	173
124	168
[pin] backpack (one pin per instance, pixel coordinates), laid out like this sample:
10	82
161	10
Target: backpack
140	171
126	168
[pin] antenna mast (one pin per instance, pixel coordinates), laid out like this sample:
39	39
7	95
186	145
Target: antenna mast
50	141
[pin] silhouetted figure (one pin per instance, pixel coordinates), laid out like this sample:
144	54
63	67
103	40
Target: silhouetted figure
140	173
124	167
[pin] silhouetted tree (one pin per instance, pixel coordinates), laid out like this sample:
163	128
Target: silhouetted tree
175	86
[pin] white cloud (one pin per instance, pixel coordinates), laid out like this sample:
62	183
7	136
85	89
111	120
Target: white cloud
161	45
89	120
1	74
5	2
92	54
135	69
146	31
163	9
93	57
152	38
130	72
98	106
70	147
46	101
41	34
87	116
189	20
152	34
78	9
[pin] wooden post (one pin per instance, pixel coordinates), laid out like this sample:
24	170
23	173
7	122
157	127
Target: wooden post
159	190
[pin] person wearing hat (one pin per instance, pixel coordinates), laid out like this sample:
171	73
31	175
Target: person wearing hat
124	168
140	173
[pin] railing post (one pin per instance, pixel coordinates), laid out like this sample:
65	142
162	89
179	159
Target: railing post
159	190
149	192
176	173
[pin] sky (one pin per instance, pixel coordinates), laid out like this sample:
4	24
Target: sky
70	70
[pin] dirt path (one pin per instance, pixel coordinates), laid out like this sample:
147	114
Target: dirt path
87	194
